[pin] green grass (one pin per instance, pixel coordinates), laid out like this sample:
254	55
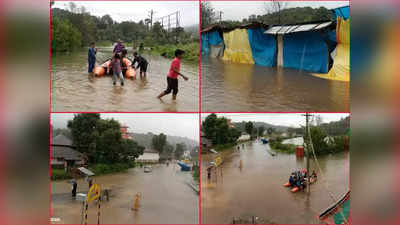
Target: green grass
284	148
191	51
223	147
60	174
98	169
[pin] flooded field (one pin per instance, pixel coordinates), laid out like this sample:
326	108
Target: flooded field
165	198
257	189
232	87
74	90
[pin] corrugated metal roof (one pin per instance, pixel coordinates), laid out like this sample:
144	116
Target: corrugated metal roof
86	171
287	29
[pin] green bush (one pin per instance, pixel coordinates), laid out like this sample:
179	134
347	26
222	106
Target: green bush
191	51
100	169
285	148
60	174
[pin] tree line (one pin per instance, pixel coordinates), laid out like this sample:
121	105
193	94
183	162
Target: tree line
167	150
218	130
75	28
101	140
276	13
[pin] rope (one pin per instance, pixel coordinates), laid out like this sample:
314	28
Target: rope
98	212
321	173
86	212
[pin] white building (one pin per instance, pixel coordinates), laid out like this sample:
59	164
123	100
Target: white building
149	156
244	137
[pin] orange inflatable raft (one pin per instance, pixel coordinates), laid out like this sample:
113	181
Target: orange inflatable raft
130	72
296	189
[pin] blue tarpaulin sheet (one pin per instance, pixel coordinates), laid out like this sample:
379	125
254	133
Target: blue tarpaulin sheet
263	47
343	12
205	48
207	39
305	51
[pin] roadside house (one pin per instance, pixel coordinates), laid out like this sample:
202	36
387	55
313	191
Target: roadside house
149	156
205	142
63	153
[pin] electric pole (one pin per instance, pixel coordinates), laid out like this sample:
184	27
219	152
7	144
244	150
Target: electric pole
220	16
151	13
307	143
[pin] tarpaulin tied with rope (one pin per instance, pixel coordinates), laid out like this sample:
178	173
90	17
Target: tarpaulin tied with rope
341	62
237	47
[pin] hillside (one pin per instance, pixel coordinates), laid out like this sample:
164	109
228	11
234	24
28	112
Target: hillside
145	140
335	128
241	126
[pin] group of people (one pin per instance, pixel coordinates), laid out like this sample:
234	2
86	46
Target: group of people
120	52
298	179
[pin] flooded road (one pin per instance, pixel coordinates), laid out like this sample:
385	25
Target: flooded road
166	198
232	87
74	90
257	190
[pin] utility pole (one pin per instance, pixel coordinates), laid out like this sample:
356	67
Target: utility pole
307	142
220	16
151	13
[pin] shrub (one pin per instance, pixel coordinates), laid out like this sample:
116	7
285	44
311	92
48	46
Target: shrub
60	174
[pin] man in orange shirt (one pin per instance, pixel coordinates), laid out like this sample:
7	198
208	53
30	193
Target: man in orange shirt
172	78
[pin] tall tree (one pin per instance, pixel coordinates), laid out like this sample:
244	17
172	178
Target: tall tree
159	142
179	150
249	127
276	7
261	130
82	128
207	14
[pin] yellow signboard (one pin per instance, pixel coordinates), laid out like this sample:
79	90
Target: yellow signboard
218	161
94	193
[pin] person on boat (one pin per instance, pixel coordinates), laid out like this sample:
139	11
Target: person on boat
174	73
292	180
117	71
314	176
141	63
92	57
118	47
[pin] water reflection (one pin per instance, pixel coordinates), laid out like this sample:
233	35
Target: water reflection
229	87
258	189
166	198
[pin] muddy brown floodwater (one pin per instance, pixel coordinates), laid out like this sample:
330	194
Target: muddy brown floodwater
166	198
233	87
73	90
257	190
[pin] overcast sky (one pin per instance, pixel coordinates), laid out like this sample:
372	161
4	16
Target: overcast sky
238	10
283	119
139	10
176	124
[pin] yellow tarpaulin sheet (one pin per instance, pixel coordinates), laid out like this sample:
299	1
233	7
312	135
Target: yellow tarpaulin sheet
237	47
341	64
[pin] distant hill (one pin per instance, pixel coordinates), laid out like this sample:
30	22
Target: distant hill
193	29
145	140
241	126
